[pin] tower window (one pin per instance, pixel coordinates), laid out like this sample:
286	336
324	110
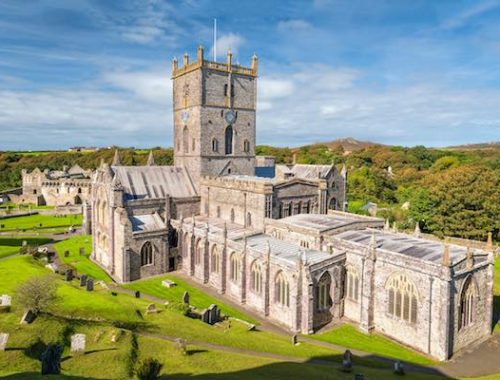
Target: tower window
225	90
185	140
246	146
215	145
229	140
232	90
193	145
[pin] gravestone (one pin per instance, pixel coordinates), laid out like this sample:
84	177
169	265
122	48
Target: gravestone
213	314
294	340
347	361
399	368
359	376
4	337
83	280
185	298
151	309
137	294
69	274
90	284
205	315
116	336
168	283
180	344
78	343
51	360
82	251
25	243
5	300
52	266
28	317
66	253
251	327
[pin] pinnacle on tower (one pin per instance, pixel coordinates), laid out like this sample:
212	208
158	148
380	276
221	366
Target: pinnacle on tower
470	259
151	159
446	255
489	242
416	233
387	225
116	159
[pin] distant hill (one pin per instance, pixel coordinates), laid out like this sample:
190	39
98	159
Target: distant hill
488	145
349	144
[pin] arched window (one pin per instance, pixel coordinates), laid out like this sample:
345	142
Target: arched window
256	281
199	252
229	140
246	146
234	272
403	298
185	139
215	145
323	292
282	290
147	254
215	260
249	219
232	215
79	190
352	284
467	304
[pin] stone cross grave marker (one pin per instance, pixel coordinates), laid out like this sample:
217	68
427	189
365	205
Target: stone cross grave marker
78	343
4	337
90	284
185	298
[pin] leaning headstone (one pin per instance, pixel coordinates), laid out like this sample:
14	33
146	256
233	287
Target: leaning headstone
66	253
399	368
151	309
51	360
78	343
251	327
4	337
5	303
28	317
82	251
137	294
185	298
347	361
168	283
52	266
205	315
294	340
214	314
180	344
83	280
69	274
116	336
90	284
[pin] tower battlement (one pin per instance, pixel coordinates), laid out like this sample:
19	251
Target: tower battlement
201	62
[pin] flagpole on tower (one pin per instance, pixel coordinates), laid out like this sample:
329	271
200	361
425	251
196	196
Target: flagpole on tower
215	40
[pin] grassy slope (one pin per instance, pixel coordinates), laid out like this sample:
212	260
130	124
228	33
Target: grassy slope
10	245
33	222
8	250
196	297
349	336
82	264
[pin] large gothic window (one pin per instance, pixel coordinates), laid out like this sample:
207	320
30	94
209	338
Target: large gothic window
234	272
147	254
352	284
282	290
229	140
467	304
403	298
185	140
256	283
323	292
215	260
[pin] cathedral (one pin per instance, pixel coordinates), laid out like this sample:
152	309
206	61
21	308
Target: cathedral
276	238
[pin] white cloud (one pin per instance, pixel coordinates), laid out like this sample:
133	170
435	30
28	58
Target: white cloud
225	42
465	16
293	25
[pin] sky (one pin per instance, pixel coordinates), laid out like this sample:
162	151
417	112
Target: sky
405	72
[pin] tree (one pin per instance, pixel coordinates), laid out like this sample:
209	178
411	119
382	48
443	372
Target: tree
37	293
148	369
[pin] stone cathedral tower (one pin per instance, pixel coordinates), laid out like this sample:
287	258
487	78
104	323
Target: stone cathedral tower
214	116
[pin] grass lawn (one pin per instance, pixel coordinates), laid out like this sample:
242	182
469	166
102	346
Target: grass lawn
8	250
82	264
348	336
39	222
10	245
197	298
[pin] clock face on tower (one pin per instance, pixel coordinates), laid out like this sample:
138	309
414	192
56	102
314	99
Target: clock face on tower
230	117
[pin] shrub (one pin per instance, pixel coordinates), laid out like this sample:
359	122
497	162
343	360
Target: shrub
148	369
37	293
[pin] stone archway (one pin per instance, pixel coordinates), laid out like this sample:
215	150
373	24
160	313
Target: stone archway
323	300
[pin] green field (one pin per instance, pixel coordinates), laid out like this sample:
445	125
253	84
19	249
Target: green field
197	298
82	264
39	222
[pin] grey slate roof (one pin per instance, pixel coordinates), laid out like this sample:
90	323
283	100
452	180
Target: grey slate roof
152	182
322	223
151	222
306	171
418	248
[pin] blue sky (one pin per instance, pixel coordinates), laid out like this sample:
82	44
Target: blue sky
97	72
